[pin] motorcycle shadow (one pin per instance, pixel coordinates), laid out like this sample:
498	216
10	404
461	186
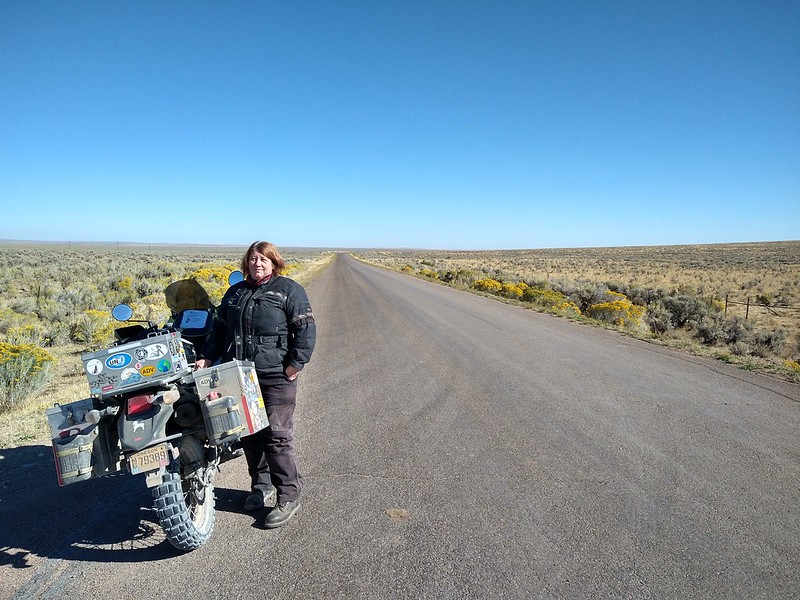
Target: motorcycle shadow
106	519
231	501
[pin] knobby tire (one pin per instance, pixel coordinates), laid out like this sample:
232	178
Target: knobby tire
187	522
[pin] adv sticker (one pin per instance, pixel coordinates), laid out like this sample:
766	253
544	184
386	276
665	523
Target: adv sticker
147	370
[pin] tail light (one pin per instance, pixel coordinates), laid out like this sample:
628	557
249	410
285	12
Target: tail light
139	404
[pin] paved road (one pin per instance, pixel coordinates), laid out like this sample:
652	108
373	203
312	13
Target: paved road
458	447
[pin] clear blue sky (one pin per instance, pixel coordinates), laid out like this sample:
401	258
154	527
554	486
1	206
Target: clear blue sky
430	124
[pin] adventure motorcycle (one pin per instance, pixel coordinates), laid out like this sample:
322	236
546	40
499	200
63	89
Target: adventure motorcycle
151	413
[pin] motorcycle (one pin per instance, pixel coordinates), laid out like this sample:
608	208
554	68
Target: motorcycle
151	413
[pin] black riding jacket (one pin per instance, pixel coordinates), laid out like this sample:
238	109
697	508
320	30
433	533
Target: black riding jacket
271	325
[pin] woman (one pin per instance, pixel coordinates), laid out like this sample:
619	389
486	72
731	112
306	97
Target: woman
267	319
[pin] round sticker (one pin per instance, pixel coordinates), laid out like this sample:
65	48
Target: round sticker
164	366
129	377
94	366
148	370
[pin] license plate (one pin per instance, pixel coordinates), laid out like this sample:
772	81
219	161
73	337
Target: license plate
149	459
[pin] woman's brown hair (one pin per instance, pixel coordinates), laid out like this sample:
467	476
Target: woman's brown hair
270	251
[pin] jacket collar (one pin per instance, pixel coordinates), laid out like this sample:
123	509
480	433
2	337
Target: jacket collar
256	284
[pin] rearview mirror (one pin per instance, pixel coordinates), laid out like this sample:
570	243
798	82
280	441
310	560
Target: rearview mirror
122	312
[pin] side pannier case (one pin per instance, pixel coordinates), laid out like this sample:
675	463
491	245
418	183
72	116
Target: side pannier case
231	399
73	438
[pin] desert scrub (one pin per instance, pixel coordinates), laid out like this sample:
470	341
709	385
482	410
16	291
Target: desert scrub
617	310
766	343
214	279
584	294
794	369
545	297
459	277
93	328
511	290
684	309
568	309
487	285
24	373
291	268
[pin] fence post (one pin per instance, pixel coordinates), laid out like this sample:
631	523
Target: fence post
747	310
726	305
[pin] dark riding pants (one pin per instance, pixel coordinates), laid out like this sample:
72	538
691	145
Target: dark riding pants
270	452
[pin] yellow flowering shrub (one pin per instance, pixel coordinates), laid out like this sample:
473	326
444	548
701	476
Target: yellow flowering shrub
569	309
429	273
214	279
794	368
511	290
93	327
550	298
291	268
612	296
31	334
124	284
487	285
24	372
152	309
212	274
619	311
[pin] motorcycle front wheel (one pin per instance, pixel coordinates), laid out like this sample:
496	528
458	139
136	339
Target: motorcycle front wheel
184	502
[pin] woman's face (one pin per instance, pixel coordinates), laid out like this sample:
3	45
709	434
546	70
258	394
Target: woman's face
259	266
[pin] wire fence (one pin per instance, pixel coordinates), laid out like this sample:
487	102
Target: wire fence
774	309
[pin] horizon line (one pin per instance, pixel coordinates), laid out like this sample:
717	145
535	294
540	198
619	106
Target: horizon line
120	244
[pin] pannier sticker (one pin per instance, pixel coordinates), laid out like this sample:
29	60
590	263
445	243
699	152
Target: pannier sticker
118	361
155	351
129	377
147	370
164	366
204	382
141	353
104	379
94	366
